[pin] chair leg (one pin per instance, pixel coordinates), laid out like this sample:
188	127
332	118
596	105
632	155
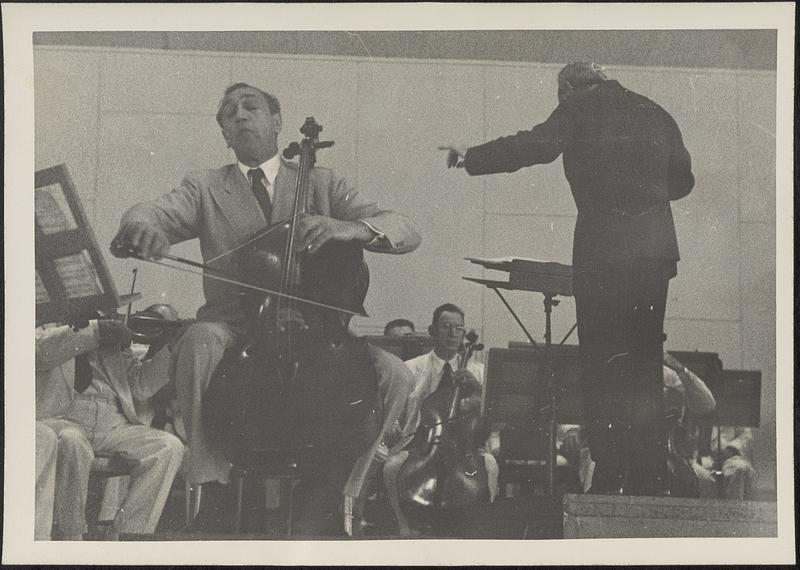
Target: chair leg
237	524
286	504
187	491
198	496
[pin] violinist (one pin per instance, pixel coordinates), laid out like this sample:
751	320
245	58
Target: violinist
99	404
223	208
430	371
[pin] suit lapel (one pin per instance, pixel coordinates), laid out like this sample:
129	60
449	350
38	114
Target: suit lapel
237	203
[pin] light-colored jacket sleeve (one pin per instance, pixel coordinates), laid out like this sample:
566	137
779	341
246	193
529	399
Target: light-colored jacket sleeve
176	213
149	376
401	235
56	345
699	399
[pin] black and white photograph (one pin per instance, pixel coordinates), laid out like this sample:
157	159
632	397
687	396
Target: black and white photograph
414	284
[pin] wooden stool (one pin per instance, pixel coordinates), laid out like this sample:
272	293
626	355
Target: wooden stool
285	472
105	466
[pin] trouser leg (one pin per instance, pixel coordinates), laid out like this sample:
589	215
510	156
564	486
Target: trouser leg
620	308
196	356
648	434
114	492
75	457
46	456
160	455
390	470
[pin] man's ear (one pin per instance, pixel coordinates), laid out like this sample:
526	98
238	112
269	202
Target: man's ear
431	330
225	136
277	123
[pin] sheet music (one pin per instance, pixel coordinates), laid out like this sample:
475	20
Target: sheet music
41	292
503	260
78	275
52	211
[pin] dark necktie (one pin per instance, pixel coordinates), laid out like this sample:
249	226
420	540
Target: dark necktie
259	188
446	382
83	373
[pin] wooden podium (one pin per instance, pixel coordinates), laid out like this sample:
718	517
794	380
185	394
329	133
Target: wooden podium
605	516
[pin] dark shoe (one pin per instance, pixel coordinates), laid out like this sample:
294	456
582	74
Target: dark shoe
215	515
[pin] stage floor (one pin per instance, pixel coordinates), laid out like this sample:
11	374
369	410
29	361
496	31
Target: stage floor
540	517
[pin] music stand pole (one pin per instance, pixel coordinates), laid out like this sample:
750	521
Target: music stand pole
719	479
549	303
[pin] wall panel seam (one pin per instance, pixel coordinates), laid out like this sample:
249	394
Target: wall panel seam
101	64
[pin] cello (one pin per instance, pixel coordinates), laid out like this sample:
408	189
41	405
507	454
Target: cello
444	468
299	384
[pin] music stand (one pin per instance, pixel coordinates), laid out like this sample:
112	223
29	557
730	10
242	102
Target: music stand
550	279
72	280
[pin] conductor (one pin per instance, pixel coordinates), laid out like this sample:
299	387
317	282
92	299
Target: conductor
625	160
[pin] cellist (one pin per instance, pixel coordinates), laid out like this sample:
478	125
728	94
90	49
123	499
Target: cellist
433	371
222	208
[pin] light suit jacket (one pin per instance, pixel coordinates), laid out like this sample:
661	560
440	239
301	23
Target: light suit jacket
134	382
218	207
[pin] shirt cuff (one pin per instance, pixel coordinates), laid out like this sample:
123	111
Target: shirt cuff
95	331
379	235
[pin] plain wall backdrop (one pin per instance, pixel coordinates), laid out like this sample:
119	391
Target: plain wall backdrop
130	122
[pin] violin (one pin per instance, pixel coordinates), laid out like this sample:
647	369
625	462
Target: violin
444	468
149	325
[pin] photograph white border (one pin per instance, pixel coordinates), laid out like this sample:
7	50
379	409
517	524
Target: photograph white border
21	20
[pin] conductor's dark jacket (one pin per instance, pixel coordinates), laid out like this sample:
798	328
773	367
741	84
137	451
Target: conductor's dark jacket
624	159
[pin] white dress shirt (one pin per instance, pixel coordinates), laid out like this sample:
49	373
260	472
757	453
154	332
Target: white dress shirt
269	168
427	370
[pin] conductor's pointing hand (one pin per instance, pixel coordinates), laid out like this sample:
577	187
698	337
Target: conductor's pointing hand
455	155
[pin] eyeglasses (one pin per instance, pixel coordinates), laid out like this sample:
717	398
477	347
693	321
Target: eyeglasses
451	328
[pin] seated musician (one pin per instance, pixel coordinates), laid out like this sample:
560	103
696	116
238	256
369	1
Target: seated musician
728	459
399	328
100	405
686	397
429	371
223	208
46	455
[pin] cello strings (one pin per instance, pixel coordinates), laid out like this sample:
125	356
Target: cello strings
254	287
251	240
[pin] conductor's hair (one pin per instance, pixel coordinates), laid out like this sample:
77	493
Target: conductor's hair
581	74
272	101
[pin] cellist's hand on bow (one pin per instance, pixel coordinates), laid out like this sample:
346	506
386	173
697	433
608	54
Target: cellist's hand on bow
455	154
316	231
147	241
